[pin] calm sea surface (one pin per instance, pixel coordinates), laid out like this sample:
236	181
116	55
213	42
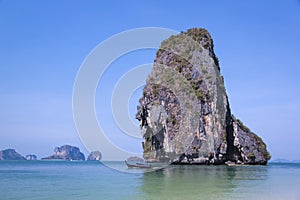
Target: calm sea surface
93	180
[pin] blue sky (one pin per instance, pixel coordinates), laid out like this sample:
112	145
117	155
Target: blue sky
43	44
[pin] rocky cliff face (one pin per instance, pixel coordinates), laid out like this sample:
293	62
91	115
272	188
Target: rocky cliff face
10	154
66	152
184	112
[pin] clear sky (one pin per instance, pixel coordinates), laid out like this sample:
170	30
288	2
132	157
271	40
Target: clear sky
43	44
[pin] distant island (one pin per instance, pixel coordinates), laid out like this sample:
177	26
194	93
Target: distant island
10	154
65	152
95	155
31	157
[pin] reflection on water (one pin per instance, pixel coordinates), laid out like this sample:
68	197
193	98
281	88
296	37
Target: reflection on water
202	182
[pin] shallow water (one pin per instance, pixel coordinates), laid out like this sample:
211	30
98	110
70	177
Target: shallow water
93	180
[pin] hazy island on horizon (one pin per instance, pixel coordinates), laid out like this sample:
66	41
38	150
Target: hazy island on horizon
65	152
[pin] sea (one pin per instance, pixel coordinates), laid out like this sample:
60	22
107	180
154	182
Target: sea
30	180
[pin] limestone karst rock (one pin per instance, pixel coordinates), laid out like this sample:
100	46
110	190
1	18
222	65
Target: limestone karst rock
66	152
31	157
94	155
10	154
184	111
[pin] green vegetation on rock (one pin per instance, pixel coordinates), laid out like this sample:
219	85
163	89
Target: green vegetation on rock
184	112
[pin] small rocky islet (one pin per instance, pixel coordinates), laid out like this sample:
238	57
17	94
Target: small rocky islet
31	157
95	156
65	152
184	112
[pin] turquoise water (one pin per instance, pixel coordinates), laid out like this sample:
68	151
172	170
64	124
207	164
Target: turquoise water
93	180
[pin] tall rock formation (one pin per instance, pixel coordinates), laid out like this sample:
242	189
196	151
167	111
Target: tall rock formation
184	112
